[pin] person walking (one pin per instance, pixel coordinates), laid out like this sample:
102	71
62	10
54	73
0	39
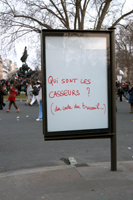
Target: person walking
131	97
119	95
40	104
126	94
29	93
11	99
35	92
123	91
2	93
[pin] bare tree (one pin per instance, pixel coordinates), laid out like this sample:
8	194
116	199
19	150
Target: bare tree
19	18
23	16
124	48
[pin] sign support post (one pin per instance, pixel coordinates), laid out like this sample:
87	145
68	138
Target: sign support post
113	104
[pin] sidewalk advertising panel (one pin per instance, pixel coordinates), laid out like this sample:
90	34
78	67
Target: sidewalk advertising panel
76	84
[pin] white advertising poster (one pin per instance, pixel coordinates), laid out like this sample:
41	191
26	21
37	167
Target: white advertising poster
76	83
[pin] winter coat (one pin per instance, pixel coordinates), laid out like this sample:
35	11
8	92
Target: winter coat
1	97
12	94
131	96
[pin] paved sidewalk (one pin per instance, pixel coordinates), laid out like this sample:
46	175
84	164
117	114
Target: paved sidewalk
91	182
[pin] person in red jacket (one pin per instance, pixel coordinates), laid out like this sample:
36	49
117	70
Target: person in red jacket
11	99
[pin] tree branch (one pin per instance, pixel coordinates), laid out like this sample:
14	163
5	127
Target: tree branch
29	17
59	12
117	21
98	14
104	12
65	11
61	19
83	11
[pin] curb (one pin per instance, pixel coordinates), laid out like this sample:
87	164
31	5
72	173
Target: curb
59	167
34	170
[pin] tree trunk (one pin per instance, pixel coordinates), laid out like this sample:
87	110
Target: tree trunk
128	74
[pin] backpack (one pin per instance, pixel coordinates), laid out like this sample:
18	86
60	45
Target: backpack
35	91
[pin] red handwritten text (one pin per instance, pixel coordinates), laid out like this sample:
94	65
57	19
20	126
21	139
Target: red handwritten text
85	81
51	108
61	93
73	80
88	90
69	107
76	106
94	107
57	109
51	80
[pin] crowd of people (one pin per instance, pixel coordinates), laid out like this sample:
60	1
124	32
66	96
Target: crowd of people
19	83
33	91
13	88
125	90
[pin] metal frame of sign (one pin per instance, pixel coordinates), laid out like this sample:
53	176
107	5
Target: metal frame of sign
110	131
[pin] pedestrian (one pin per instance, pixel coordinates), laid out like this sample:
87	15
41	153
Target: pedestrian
24	85
35	92
118	86
126	94
29	93
11	98
8	86
123	91
40	104
2	93
131	97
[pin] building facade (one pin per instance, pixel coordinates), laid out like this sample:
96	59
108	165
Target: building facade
7	68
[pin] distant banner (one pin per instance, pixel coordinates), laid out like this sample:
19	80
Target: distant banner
16	76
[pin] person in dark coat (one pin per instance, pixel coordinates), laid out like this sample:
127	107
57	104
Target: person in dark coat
1	97
131	97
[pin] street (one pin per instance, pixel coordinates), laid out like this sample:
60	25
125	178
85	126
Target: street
22	144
